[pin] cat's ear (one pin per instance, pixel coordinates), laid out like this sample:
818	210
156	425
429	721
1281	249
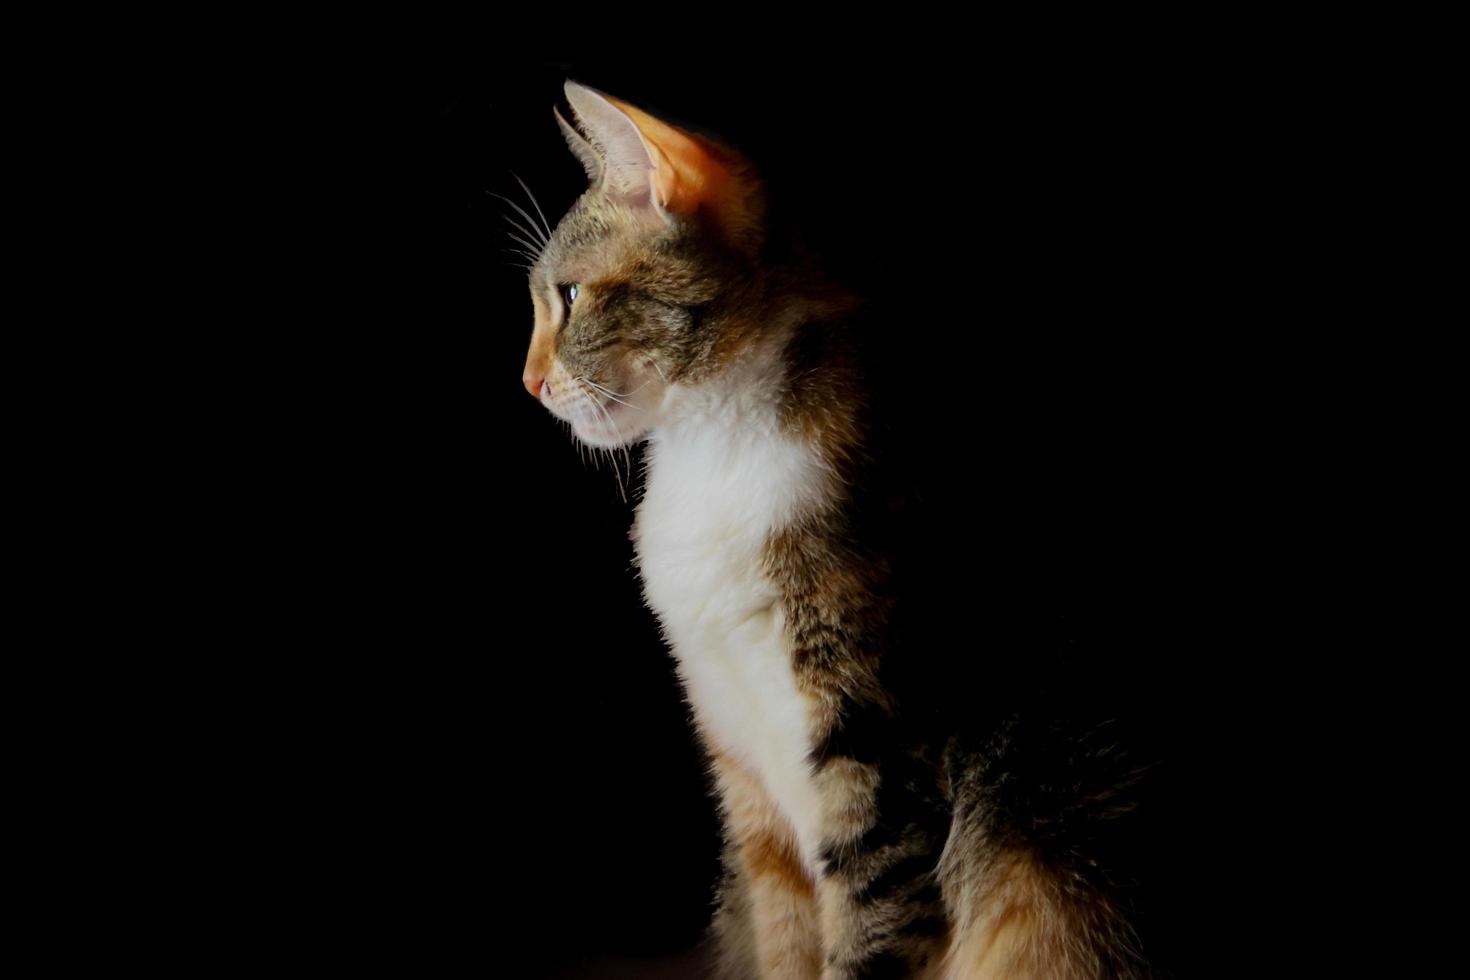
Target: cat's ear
625	160
645	160
580	148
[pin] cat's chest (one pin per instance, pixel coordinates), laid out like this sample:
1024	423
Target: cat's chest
710	505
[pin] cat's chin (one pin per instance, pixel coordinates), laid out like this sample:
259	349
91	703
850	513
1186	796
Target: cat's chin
605	440
613	428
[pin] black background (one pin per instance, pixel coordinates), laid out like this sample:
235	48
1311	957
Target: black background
484	753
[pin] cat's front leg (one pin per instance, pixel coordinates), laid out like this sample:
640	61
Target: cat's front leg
882	911
767	926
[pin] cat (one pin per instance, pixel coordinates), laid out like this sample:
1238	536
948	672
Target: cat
879	820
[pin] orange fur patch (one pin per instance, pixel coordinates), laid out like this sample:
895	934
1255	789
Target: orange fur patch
783	899
1026	927
768	854
543	339
692	173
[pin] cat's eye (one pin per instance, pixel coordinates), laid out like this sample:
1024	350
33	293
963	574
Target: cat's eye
568	295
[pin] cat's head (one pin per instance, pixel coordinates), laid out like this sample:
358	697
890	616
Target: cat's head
635	289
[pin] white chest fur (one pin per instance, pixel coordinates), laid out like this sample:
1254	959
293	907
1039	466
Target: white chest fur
719	482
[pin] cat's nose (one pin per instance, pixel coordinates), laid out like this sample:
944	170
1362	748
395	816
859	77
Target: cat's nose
533	382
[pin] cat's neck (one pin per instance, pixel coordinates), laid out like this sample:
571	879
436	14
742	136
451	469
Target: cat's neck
746	394
771	435
791	345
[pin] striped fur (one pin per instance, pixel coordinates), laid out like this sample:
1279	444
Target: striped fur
865	836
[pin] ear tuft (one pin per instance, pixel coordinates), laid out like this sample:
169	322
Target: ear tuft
581	149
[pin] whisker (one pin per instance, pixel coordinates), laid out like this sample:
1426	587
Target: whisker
609	394
519	209
654	364
533	248
617	430
521	228
616	394
523	253
617	473
546	223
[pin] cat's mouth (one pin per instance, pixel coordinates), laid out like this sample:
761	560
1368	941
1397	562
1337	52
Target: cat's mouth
599	416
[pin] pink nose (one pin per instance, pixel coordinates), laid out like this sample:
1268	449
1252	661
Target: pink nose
533	383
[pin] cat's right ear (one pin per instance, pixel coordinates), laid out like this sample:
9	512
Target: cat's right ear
580	148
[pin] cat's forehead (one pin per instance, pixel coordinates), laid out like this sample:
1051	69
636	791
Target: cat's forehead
588	222
595	238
